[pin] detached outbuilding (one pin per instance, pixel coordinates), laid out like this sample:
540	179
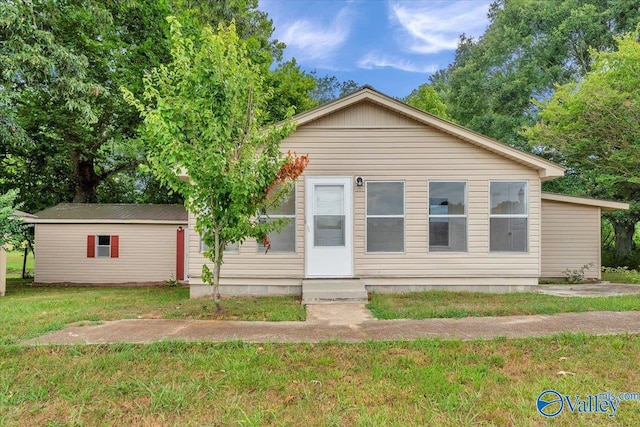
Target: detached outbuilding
110	243
571	234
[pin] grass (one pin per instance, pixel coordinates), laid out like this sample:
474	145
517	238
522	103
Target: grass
438	304
14	264
28	311
621	275
424	382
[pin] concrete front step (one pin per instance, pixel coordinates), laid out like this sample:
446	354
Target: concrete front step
329	290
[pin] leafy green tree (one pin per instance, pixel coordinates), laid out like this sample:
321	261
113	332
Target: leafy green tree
65	131
63	62
427	99
292	88
11	227
595	125
329	88
203	116
528	48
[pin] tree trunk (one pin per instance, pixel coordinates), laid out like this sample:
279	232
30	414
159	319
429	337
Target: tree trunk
624	238
86	180
216	269
24	262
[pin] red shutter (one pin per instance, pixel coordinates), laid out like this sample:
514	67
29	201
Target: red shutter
91	246
180	254
115	249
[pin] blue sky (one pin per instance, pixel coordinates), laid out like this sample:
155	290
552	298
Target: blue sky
393	45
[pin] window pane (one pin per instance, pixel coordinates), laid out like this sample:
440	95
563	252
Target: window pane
448	234
508	234
329	200
104	240
385	234
385	198
288	206
328	230
284	241
508	198
446	198
229	247
104	251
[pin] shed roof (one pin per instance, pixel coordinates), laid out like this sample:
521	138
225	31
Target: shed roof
605	205
117	213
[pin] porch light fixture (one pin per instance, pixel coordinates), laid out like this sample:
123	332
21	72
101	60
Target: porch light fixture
359	181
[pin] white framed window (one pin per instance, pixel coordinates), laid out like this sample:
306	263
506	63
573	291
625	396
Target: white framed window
447	216
103	246
508	216
230	247
285	240
385	216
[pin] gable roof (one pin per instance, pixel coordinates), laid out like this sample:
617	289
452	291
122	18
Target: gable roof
546	169
111	213
605	205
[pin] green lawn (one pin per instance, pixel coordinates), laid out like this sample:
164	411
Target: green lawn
14	264
435	304
425	382
621	275
28	311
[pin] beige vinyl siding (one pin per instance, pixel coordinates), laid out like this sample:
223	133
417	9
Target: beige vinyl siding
570	238
248	261
367	140
147	253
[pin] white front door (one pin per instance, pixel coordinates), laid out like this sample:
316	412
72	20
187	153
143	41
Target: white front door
329	227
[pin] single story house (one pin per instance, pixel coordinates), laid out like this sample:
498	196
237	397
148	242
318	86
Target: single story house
110	243
395	199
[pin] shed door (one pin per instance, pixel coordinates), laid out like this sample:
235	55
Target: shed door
329	227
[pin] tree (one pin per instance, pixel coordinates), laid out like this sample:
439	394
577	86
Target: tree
528	48
595	125
65	131
328	88
63	63
427	99
203	115
11	227
292	88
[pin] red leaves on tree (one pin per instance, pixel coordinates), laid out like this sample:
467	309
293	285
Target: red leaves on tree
290	170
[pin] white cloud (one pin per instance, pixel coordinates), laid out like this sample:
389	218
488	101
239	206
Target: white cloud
374	60
435	26
310	39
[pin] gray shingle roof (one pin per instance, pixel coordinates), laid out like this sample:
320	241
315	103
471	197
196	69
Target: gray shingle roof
112	212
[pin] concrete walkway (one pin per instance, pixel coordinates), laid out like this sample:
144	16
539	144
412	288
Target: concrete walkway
344	322
604	289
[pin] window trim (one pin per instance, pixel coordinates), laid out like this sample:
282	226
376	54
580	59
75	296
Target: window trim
403	216
525	215
201	247
465	215
294	218
98	246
